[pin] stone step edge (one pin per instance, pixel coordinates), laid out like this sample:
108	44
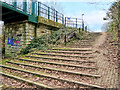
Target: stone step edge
68	52
49	54
53	77
55	63
28	81
60	70
74	49
85	61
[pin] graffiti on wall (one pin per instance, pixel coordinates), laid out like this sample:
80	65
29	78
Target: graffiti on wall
14	41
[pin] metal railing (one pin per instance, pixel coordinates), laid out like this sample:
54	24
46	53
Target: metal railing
73	22
50	13
36	9
69	35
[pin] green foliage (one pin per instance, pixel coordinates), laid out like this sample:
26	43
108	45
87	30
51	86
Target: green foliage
39	43
43	43
114	24
47	41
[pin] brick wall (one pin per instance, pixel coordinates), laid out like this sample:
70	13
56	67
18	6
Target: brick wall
17	36
21	34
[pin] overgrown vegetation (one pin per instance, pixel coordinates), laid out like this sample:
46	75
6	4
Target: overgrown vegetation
114	17
48	41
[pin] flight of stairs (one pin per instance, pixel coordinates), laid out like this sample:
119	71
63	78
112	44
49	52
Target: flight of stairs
63	67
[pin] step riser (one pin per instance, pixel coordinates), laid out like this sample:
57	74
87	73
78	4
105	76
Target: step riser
89	75
53	77
61	55
60	64
68	52
59	74
24	80
87	64
72	49
73	69
85	61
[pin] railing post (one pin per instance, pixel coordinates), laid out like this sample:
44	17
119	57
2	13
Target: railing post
79	30
65	39
86	28
82	26
62	19
33	7
15	3
56	16
65	21
25	6
36	12
76	22
39	8
48	12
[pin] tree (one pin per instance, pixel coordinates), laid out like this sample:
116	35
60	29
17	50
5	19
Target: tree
114	15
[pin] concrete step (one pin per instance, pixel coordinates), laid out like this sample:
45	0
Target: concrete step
25	80
55	69
68	52
61	55
73	49
56	63
49	76
62	59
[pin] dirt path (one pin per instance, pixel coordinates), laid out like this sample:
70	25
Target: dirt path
106	68
101	39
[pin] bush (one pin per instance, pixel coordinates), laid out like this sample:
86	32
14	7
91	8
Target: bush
45	42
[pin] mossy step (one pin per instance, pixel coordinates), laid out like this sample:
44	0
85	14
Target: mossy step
73	49
53	77
55	69
53	58
49	54
26	80
56	63
86	40
85	44
67	52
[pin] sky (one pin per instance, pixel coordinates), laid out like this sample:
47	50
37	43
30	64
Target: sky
94	11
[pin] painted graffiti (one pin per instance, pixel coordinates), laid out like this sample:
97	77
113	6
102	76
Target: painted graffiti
13	42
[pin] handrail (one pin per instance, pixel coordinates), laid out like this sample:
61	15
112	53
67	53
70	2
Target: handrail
66	39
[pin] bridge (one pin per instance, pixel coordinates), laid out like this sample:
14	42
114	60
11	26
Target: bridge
32	11
24	20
